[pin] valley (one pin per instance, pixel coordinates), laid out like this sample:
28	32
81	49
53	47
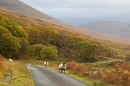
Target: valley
30	36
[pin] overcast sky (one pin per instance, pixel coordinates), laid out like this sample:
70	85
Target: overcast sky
83	11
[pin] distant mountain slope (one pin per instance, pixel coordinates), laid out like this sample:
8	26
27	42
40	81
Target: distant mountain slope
114	28
19	7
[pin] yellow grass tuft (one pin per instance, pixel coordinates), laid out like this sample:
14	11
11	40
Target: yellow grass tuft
20	75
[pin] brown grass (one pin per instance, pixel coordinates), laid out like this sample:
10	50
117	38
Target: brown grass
117	74
3	67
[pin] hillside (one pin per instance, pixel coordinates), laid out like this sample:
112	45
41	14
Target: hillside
21	8
119	29
21	34
39	32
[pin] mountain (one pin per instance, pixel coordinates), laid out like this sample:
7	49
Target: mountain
19	7
119	29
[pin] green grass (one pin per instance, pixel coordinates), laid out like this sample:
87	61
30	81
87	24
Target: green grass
103	65
78	77
20	76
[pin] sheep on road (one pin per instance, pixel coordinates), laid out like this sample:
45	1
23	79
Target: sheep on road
46	64
62	68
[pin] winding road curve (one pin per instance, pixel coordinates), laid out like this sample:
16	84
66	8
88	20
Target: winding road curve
48	77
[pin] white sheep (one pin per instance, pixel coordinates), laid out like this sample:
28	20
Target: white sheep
11	60
46	64
62	67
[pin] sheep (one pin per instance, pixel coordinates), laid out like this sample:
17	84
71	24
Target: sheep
11	60
46	64
62	67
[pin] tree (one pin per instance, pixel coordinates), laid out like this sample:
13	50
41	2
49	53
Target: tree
49	52
24	45
12	27
35	36
36	49
101	49
44	35
86	50
10	32
71	43
48	34
9	44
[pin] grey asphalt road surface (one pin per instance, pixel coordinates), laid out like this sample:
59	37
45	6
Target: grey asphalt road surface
48	77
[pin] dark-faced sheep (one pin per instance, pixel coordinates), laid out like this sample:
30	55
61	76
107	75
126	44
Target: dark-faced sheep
46	64
62	68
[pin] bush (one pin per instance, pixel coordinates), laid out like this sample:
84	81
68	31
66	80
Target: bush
49	52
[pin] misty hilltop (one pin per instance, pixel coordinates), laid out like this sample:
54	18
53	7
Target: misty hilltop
115	28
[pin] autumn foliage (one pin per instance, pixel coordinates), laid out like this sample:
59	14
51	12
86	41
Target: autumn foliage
3	67
117	74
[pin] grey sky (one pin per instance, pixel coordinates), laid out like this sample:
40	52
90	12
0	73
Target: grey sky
82	11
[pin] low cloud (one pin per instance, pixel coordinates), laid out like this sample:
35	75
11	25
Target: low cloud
82	11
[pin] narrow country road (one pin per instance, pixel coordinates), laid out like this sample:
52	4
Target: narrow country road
48	77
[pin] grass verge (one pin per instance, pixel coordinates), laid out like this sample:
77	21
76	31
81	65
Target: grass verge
20	76
87	79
